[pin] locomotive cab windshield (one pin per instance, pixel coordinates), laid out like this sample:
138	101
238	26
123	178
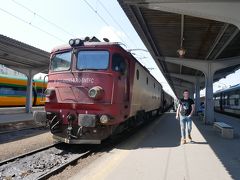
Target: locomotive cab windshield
92	60
86	60
61	61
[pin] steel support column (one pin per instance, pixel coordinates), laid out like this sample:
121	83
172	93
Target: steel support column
208	68
209	103
28	105
197	96
191	92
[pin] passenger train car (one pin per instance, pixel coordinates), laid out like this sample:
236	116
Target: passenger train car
13	91
168	101
228	101
96	89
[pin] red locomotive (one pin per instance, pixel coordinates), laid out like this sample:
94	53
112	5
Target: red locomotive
96	89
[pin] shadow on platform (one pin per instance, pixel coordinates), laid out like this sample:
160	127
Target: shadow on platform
164	132
226	150
22	134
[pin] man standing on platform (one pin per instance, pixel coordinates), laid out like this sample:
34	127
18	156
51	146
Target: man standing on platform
184	113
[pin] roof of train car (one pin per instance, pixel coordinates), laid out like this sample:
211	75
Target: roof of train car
232	88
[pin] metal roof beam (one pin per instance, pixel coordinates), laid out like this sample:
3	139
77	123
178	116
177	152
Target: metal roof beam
9	42
227	43
184	84
219	36
143	31
18	56
223	11
186	77
203	65
191	63
225	63
9	62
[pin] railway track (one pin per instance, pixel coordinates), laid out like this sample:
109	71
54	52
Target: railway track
50	160
42	163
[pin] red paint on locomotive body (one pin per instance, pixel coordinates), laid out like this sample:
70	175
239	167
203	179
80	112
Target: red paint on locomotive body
90	91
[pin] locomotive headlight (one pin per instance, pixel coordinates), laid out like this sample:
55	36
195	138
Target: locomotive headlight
78	42
96	92
92	93
104	119
71	42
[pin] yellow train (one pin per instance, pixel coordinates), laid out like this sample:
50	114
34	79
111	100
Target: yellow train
13	91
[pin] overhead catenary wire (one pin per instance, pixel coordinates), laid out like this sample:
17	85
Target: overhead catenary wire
29	23
96	12
44	19
115	21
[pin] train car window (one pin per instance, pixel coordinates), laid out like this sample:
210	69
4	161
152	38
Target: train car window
223	102
236	102
6	91
13	91
147	80
217	97
61	61
137	74
228	100
154	85
92	60
118	63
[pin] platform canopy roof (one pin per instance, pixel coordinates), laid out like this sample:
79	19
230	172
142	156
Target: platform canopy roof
22	57
165	26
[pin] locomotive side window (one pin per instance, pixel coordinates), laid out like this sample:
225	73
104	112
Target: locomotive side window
147	80
137	74
118	63
61	62
92	60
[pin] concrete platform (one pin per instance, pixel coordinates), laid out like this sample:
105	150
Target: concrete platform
17	110
14	118
154	153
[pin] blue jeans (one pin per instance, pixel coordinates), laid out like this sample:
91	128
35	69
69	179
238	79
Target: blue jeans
185	122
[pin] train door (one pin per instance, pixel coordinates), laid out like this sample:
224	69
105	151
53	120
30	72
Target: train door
120	65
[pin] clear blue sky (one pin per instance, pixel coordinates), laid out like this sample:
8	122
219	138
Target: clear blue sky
78	20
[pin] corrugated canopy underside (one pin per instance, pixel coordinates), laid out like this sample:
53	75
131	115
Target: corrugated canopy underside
161	33
18	55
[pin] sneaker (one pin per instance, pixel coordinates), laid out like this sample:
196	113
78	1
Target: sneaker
183	141
190	138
